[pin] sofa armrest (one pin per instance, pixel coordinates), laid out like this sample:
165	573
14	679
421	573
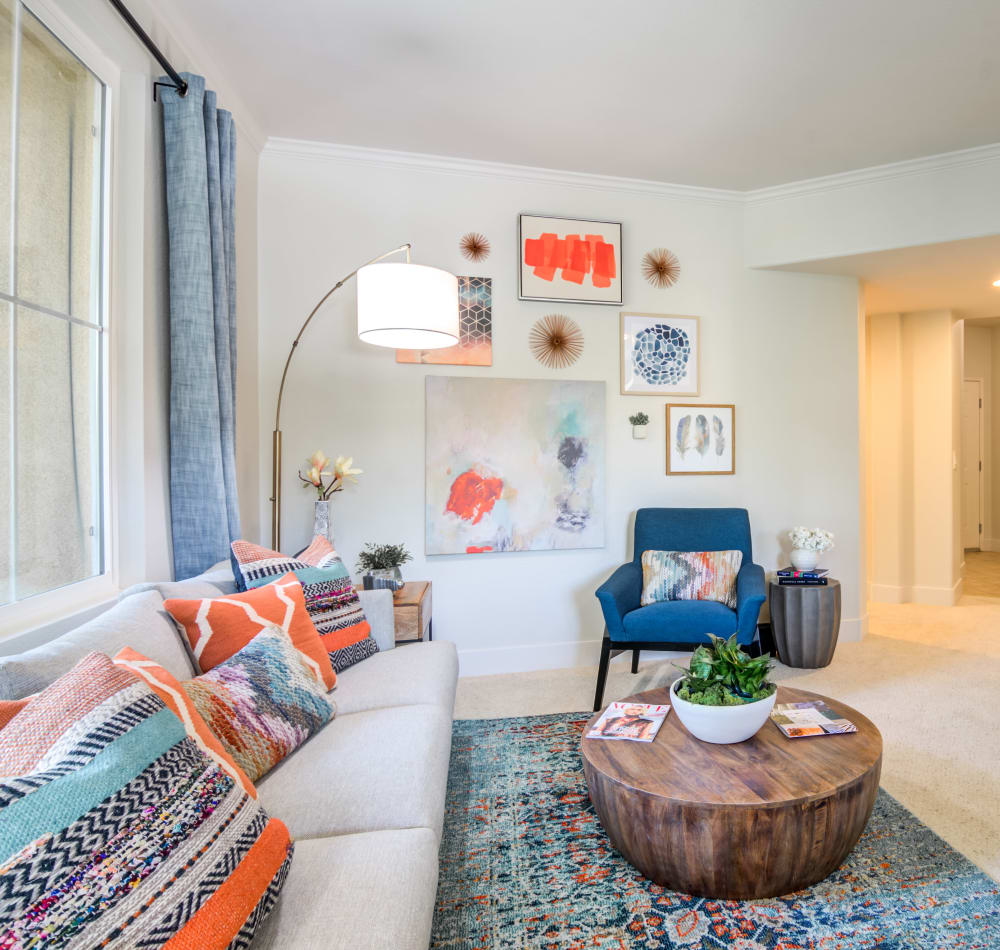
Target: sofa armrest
377	605
750	594
619	594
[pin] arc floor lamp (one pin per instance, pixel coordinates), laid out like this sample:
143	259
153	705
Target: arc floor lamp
400	304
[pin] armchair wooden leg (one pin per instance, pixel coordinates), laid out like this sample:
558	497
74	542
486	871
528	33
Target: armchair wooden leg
635	661
602	672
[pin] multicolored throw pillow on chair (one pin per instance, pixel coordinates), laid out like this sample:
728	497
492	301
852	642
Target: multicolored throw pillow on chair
262	703
690	575
330	596
117	830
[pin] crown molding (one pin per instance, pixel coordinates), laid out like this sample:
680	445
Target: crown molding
476	168
526	174
929	164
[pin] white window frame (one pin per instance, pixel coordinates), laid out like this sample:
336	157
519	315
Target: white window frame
127	111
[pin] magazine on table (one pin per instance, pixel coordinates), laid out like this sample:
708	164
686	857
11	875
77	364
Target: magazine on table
638	722
796	720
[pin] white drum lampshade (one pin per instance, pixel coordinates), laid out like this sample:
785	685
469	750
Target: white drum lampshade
407	306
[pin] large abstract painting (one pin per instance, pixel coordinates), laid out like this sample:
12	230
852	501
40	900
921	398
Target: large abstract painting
513	465
475	329
568	259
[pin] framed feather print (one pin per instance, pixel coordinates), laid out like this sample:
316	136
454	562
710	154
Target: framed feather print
701	439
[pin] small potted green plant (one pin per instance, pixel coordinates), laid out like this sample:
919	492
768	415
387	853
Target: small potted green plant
379	565
724	695
639	422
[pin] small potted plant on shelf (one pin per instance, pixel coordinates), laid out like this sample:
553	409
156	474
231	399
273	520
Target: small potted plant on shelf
379	565
639	422
807	545
724	695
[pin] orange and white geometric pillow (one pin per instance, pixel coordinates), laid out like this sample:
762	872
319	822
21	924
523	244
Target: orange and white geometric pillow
219	627
169	689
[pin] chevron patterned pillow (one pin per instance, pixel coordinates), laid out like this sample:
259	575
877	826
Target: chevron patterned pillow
117	830
331	599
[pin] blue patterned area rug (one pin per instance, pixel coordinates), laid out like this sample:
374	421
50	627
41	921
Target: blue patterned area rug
525	865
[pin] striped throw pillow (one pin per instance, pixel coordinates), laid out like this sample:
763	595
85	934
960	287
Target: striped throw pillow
117	830
690	575
330	596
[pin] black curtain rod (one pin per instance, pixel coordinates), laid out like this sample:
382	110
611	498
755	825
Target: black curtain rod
179	84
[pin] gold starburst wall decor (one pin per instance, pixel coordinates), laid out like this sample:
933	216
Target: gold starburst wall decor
556	341
474	246
661	267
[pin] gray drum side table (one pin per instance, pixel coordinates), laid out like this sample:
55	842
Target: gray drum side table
805	622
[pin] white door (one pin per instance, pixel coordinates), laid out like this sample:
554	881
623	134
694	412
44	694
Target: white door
972	463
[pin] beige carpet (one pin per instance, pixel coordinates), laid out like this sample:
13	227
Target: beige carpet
928	677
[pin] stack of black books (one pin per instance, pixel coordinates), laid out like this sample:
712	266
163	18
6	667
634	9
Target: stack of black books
814	578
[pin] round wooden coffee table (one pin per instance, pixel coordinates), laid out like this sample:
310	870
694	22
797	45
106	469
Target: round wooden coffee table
756	819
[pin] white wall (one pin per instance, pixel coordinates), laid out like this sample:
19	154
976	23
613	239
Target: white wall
914	373
924	201
783	347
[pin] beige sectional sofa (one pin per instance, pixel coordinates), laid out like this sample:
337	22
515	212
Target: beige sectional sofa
363	798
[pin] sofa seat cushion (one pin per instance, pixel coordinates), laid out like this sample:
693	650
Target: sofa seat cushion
371	891
369	771
417	673
138	622
680	621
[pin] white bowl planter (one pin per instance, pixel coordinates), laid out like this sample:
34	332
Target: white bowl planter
804	559
721	724
638	432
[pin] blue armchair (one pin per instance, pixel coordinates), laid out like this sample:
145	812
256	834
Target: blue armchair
678	624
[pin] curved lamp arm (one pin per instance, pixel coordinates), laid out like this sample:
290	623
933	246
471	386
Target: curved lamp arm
276	434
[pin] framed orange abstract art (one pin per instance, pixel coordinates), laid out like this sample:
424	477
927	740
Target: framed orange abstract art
569	260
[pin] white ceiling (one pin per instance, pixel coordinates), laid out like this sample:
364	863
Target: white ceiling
954	276
725	93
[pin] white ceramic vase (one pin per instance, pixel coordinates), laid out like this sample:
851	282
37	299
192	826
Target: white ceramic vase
638	432
803	559
722	725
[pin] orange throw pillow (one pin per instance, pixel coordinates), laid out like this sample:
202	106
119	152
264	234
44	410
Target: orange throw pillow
219	627
9	708
167	687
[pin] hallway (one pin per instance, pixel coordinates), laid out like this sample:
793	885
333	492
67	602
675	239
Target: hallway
982	574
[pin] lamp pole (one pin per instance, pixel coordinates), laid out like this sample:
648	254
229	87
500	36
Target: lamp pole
276	434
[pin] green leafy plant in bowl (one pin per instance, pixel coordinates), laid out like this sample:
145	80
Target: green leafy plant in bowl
381	557
639	419
722	674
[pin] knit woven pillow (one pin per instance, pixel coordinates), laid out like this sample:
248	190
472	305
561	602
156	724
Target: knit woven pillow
117	830
690	575
171	691
219	627
262	703
330	596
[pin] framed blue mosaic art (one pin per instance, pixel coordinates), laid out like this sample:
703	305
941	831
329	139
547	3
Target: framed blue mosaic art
660	354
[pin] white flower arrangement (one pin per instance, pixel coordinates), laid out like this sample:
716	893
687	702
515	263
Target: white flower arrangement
811	539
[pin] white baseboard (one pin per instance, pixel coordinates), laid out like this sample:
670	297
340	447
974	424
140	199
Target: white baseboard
572	653
529	656
936	596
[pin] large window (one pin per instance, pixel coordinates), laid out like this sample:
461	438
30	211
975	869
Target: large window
52	347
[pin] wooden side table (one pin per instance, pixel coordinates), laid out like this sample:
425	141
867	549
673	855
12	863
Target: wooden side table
805	622
411	606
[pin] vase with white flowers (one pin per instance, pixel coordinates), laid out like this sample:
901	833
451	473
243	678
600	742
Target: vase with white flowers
807	545
327	477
